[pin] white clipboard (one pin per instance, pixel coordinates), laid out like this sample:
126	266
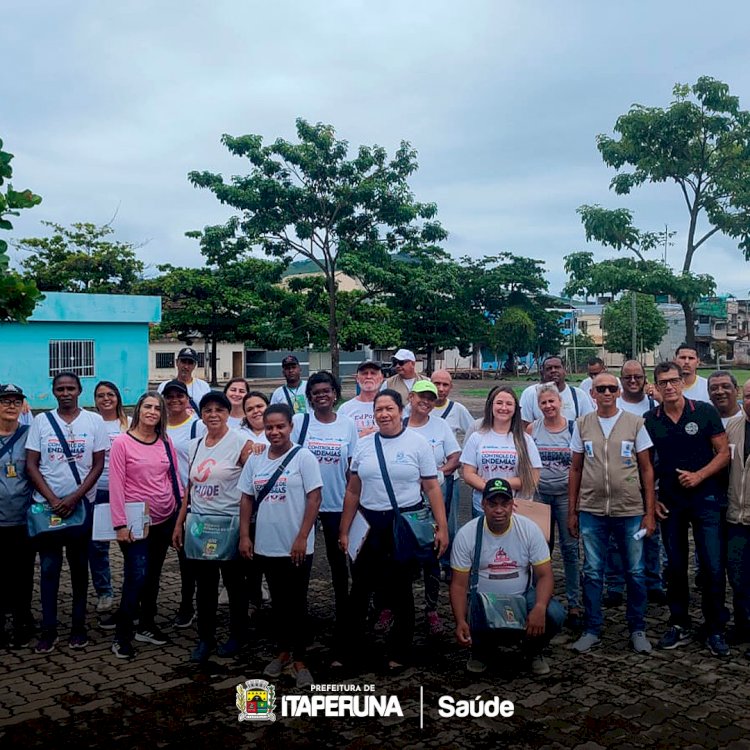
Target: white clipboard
102	530
357	534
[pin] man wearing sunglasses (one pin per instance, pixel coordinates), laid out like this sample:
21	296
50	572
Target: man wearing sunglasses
611	494
406	375
692	450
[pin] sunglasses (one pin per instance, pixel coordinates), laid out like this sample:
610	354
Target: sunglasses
606	388
632	377
399	362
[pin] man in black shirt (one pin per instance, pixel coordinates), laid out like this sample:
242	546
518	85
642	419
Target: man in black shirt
692	449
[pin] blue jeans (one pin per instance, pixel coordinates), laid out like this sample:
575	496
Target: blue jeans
101	576
135	564
738	568
595	533
652	560
483	643
50	560
568	546
704	514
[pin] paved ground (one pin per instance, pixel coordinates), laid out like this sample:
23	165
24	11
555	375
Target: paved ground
609	698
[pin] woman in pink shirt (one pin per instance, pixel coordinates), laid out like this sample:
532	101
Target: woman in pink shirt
142	467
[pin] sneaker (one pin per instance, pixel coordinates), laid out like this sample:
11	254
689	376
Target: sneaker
539	665
151	635
657	596
201	652
108	623
385	622
123	650
224	596
104	603
613	599
184	620
276	667
46	643
674	637
303	678
476	666
639	643
78	640
586	642
718	646
433	623
231	647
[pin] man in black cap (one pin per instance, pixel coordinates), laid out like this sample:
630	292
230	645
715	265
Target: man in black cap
187	359
359	408
511	546
293	393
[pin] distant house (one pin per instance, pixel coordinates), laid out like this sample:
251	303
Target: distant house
96	336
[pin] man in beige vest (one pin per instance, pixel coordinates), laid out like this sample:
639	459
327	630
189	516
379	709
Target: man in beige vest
406	375
611	493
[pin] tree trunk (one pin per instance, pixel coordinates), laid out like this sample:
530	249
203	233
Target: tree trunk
687	308
214	381
476	353
333	325
430	361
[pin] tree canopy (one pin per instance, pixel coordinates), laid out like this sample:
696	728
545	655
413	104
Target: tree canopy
81	258
311	199
617	323
18	296
701	144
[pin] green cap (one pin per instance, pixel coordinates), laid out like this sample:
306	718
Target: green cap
425	386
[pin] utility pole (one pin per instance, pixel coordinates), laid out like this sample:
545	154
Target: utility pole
634	321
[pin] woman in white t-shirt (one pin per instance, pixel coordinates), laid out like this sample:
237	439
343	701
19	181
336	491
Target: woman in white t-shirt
411	467
56	485
254	406
500	448
108	402
216	462
331	438
236	390
284	534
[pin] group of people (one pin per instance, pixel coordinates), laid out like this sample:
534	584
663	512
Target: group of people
236	482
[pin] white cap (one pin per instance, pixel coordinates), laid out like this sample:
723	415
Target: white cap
404	355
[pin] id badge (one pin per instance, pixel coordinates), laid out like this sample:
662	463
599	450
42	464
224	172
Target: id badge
626	450
731	450
588	447
10	470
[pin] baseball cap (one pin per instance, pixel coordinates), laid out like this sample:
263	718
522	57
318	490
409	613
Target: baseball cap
497	488
425	386
404	355
369	364
215	397
290	359
188	352
9	389
175	384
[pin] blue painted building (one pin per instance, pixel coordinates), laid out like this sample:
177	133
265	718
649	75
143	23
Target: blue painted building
97	336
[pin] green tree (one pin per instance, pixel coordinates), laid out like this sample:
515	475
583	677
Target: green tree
81	258
18	296
512	333
701	144
617	322
240	301
310	199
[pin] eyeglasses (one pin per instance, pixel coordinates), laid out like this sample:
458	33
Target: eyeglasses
632	377
606	388
399	362
674	382
11	402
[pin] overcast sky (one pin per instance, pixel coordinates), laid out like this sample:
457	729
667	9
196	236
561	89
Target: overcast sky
108	106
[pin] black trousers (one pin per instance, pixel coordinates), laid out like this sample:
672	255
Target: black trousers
17	583
206	574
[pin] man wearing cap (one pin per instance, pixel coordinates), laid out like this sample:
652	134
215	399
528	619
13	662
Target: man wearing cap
187	359
293	392
16	551
359	408
611	493
406	373
511	547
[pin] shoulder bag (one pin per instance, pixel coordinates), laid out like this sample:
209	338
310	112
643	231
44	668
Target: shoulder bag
490	611
413	530
40	517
